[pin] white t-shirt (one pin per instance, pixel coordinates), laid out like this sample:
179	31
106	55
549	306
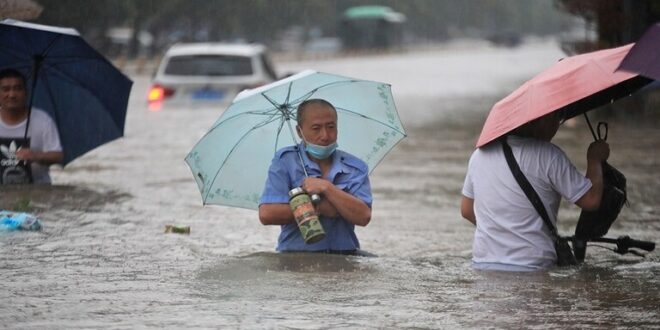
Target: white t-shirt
43	137
509	230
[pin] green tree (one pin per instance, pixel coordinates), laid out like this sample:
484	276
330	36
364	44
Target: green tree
263	20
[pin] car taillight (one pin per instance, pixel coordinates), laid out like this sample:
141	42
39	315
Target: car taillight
159	93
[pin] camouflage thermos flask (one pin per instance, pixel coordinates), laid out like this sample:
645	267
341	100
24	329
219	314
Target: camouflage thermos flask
303	210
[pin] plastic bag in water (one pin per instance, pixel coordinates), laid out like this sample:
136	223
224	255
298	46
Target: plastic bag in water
18	221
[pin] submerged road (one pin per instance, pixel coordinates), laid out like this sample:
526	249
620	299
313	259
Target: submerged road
104	261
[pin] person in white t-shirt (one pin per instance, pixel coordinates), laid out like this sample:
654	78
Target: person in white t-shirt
510	235
44	142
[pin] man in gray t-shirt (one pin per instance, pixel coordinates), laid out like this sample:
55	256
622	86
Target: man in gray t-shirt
510	234
42	147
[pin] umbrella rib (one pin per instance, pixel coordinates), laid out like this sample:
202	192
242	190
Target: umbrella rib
282	108
306	96
234	148
288	93
19	54
255	112
26	35
271	101
51	44
72	59
52	101
369	118
277	139
299	100
18	65
73	81
65	77
276	104
27	61
49	62
48	65
231	118
279	131
309	94
13	52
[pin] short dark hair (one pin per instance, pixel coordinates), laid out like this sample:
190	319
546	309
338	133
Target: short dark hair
303	106
12	73
532	129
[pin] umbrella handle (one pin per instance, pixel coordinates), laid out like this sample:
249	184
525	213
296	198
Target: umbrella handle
590	127
602	136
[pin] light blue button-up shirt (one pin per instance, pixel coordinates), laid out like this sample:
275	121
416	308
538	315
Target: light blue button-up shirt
348	173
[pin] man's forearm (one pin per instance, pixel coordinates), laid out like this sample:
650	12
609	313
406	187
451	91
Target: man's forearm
49	158
275	214
595	175
41	157
351	208
467	210
591	200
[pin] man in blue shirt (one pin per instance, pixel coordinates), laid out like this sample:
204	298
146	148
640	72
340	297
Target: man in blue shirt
340	178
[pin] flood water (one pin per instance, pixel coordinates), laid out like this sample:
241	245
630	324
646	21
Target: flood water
104	261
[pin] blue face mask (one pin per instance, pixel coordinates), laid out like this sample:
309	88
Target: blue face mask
320	152
317	151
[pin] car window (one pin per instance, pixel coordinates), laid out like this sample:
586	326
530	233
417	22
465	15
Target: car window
209	65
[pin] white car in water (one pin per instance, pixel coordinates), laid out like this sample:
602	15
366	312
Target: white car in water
208	74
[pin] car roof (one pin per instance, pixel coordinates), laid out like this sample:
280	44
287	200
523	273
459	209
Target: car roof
215	48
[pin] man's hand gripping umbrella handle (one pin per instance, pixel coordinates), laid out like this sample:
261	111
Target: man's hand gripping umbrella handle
316	198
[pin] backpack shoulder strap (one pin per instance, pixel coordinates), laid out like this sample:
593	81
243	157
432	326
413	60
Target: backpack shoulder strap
527	187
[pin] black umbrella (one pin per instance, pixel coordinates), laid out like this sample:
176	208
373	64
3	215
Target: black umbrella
79	88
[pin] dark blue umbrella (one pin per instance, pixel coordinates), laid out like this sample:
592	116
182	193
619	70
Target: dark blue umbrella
79	88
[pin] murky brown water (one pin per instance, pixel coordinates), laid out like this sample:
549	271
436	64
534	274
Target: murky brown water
103	261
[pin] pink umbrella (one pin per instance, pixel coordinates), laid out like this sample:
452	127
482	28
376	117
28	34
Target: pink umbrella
575	85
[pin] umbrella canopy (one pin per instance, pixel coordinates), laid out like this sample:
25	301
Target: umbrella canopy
81	90
644	57
230	163
575	85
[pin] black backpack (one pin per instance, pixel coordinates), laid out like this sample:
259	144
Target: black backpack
595	224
